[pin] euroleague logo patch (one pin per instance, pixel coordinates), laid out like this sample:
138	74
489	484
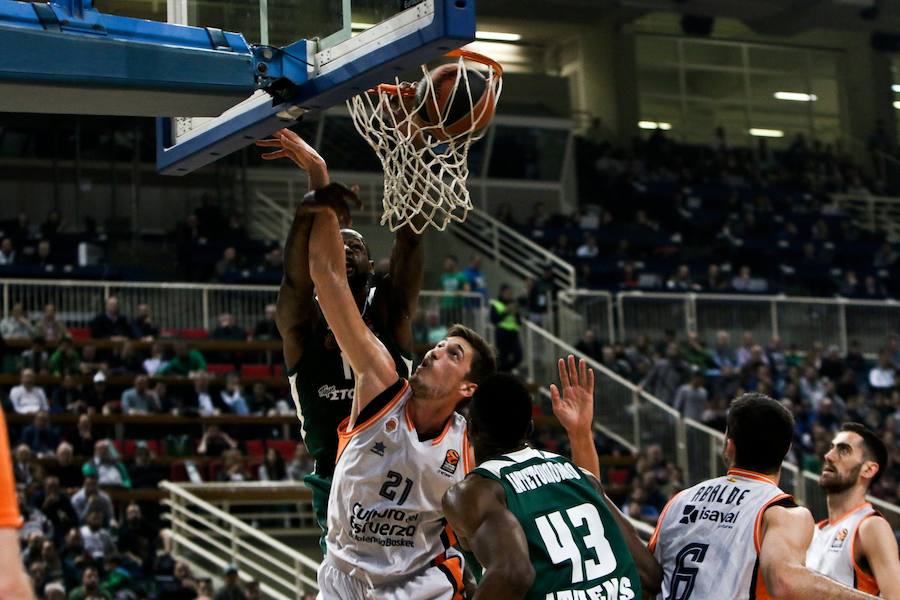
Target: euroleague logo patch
451	460
390	425
838	541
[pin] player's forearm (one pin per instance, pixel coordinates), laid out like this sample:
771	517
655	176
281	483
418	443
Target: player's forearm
407	268
326	248
14	582
584	452
504	583
318	173
796	582
296	252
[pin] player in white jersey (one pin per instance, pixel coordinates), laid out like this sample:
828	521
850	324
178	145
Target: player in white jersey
855	544
400	449
740	537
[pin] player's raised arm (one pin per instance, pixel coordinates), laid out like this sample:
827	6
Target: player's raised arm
406	270
295	314
878	546
476	509
573	405
786	535
371	362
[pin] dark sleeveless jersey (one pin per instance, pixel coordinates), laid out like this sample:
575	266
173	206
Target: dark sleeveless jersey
322	386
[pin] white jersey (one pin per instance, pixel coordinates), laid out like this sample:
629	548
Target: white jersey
831	550
385	520
707	538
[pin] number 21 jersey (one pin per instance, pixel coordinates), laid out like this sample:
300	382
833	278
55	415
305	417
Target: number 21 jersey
707	539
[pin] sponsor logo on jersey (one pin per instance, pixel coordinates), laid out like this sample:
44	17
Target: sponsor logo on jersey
617	588
390	425
838	541
692	514
388	527
332	392
378	448
451	460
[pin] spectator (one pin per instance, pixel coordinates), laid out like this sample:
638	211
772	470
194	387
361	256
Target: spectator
142	324
872	289
229	265
137	538
274	260
266	329
90	587
156	362
7	252
301	464
23	465
436	330
272	467
589	346
144	473
233	396
185	362
253	590
109	324
200	401
97	540
187	234
849	287
50	227
100	398
452	282
743	353
36	358
49	327
691	399
261	402
90	362
744	282
507	322
44	256
57	507
126	360
666	375
538	219
215	442
84	442
65	469
228	330
723	354
140	399
91	497
65	359
475	276
27	398
589	248
105	466
16	325
233	467
885	257
881	376
682	281
40	437
231	590
715	282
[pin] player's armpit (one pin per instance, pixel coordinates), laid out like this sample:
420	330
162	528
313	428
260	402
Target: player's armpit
371	362
476	509
786	534
878	546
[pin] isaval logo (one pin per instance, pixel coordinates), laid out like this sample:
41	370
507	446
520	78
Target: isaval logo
689	515
692	514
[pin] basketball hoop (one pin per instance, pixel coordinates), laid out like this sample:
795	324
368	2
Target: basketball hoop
423	153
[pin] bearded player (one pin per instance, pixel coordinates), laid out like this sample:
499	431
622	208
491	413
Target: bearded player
855	544
400	449
320	376
542	527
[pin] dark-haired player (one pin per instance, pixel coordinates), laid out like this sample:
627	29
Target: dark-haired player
855	544
320	375
740	536
540	525
400	449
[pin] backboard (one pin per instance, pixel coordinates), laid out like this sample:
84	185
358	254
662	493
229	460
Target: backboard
309	54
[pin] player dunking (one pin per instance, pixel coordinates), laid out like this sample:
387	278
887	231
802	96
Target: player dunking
542	527
855	544
740	536
400	449
320	375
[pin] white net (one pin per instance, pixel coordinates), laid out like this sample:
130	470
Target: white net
425	162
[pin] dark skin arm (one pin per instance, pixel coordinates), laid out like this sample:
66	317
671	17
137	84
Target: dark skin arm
397	307
476	509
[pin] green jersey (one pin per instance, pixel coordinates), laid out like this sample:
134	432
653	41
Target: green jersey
575	546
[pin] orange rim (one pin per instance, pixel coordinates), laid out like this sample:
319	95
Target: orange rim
394	90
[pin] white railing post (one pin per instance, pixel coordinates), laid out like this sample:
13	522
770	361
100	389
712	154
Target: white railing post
620	304
690	314
842	320
636	417
611	319
774	314
205	311
5	299
529	352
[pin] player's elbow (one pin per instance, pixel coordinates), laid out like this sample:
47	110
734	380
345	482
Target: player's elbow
781	583
517	576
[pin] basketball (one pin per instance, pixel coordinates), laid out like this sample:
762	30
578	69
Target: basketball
450	107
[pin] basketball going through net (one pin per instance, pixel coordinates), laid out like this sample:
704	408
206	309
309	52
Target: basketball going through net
422	134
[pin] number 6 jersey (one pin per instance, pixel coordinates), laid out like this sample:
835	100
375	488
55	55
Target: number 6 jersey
385	520
707	539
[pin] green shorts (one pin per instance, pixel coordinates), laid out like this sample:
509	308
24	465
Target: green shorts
321	490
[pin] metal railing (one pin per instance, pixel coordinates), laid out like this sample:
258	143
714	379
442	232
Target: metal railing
874	213
209	538
586	309
192	305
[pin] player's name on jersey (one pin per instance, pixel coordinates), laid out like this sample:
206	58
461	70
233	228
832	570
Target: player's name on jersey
617	588
536	476
721	494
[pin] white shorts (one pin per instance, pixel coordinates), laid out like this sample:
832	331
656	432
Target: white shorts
439	582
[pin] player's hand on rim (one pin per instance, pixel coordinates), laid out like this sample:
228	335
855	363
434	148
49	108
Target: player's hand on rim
573	400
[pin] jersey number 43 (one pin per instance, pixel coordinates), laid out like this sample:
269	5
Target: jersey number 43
557	530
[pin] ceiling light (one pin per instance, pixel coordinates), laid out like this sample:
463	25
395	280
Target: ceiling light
497	36
896	87
773	133
897	104
795	96
654	125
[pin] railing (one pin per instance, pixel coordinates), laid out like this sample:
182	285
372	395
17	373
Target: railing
874	213
585	309
209	538
192	306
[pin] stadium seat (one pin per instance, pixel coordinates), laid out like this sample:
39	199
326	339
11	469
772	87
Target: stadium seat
277	371
193	334
285	448
80	333
125	448
255	371
255	447
219	368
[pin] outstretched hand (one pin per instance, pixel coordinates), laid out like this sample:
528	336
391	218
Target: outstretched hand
335	197
573	401
292	146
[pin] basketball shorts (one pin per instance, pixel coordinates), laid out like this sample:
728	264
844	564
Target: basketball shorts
437	582
321	489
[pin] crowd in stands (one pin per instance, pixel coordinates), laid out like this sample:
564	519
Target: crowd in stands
821	386
718	218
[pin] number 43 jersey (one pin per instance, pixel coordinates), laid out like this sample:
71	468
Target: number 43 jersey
574	544
707	539
385	520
